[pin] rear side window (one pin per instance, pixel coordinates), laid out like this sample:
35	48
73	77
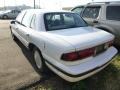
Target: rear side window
113	13
27	19
78	9
91	12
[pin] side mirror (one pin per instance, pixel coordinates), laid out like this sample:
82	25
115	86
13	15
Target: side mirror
13	22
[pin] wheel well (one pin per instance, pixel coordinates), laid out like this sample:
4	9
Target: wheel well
5	15
31	46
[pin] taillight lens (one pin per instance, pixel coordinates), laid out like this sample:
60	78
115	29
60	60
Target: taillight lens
73	56
86	53
70	56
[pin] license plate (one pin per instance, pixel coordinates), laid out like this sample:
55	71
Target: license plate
100	49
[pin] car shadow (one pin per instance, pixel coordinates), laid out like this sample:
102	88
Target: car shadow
28	54
118	48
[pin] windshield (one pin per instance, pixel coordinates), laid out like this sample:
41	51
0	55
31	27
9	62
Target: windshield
57	21
78	9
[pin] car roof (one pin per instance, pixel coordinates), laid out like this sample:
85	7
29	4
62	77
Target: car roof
104	3
78	7
42	11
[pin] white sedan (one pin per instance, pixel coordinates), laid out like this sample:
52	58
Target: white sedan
63	42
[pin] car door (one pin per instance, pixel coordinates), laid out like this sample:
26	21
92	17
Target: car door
17	23
91	14
113	18
16	27
24	28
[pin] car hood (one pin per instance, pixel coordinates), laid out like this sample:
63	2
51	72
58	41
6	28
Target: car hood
83	37
4	12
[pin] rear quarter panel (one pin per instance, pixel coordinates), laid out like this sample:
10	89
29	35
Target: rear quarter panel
51	47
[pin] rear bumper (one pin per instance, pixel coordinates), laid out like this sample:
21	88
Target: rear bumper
83	70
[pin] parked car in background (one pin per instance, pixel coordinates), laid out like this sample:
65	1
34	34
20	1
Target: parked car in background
105	16
1	12
62	41
9	14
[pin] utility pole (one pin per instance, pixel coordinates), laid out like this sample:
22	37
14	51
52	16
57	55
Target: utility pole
39	4
4	5
15	4
34	4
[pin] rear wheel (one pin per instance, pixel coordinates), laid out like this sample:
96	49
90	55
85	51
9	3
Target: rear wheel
40	64
5	17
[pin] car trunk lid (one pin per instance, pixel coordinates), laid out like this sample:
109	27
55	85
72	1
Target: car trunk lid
84	37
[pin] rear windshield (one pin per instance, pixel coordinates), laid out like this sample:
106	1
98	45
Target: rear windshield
57	21
113	13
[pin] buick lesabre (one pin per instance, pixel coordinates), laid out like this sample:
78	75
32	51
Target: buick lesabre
63	42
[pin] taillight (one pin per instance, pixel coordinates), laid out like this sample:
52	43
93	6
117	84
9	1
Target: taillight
86	53
73	56
70	56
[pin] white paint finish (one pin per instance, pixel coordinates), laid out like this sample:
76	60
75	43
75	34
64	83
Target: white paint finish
84	67
84	37
72	79
53	44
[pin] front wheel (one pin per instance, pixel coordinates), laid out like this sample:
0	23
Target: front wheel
38	60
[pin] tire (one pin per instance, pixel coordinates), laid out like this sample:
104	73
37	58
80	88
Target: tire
5	17
13	36
38	59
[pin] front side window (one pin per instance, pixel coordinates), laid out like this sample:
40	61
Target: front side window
77	9
27	19
113	13
57	21
20	16
12	11
91	12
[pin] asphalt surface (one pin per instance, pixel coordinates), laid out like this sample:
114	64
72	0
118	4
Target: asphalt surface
16	64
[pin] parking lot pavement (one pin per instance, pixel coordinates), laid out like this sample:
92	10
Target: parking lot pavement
16	69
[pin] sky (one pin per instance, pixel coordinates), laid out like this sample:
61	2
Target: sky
48	3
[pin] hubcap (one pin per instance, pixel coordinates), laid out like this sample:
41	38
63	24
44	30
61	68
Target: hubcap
5	17
38	60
